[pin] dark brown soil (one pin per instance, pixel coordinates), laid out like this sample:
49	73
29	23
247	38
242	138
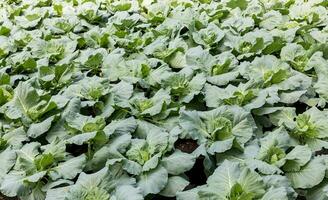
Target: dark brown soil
2	197
186	145
196	175
321	152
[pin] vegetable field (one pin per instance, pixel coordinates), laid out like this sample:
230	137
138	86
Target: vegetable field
164	99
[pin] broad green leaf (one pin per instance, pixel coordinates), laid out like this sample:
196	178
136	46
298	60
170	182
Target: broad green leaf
175	184
178	162
38	129
153	181
308	176
68	169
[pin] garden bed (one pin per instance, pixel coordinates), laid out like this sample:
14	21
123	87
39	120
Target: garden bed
166	99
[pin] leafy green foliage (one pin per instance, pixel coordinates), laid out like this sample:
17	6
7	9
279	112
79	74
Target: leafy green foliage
97	95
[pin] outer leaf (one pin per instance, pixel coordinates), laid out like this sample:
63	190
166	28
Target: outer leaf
178	162
68	169
175	184
153	181
309	176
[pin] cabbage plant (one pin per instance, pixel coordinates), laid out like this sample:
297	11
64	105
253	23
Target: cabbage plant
164	99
